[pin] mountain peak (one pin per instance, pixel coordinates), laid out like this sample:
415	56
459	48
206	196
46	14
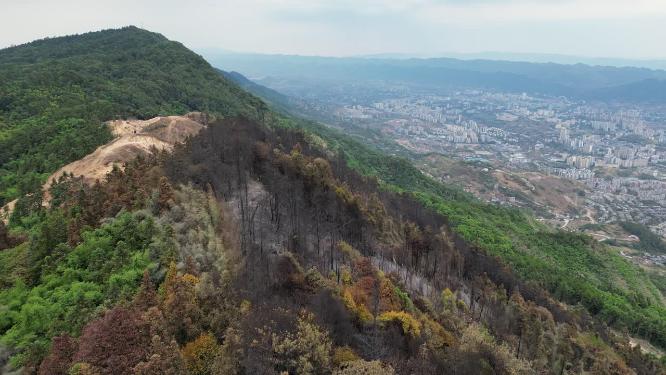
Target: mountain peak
129	37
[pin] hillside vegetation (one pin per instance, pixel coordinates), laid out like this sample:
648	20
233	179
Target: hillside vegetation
574	267
55	95
649	241
267	244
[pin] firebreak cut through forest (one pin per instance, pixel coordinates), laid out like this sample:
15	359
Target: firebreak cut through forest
269	244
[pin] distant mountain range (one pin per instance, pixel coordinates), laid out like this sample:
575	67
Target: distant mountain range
659	64
622	84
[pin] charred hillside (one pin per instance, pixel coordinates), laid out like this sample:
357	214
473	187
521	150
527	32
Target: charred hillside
317	236
266	244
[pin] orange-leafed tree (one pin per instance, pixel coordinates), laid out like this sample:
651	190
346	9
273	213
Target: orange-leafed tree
200	355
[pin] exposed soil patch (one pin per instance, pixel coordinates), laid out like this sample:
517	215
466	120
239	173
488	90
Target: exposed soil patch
132	138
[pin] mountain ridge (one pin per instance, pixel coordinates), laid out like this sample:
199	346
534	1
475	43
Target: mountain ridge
61	101
267	235
580	81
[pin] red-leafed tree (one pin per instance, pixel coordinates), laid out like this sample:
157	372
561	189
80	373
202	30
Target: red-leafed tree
59	359
115	343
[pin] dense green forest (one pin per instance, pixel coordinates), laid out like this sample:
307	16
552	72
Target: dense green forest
270	244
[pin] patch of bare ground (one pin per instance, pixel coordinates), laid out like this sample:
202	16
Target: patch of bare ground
557	194
96	165
6	210
132	138
646	347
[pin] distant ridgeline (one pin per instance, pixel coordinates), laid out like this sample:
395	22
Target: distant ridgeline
628	84
270	244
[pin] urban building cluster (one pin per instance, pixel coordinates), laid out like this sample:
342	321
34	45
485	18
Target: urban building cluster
618	153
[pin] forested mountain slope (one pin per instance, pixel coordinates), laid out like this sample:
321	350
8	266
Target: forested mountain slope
267	244
56	93
573	267
275	99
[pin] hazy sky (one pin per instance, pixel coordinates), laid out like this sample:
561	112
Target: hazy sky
601	28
